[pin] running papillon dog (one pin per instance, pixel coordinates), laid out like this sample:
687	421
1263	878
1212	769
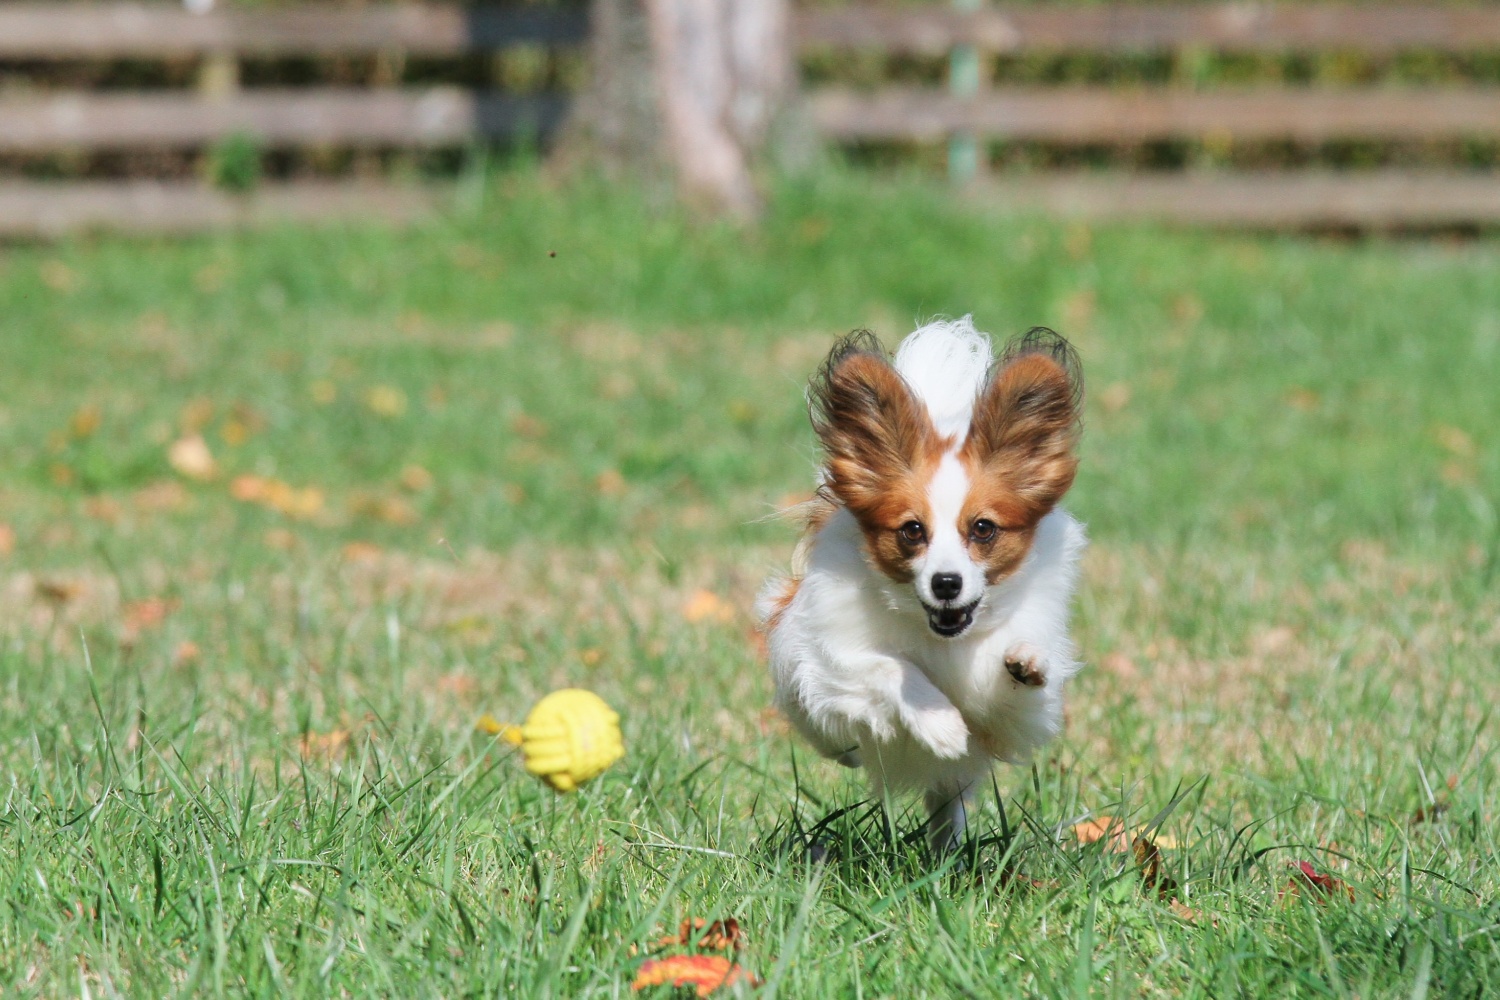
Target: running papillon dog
923	633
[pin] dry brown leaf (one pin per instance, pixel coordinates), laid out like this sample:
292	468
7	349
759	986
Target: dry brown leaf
526	426
1430	812
1115	397
277	495
1120	666
196	414
705	605
58	276
1182	911
1120	839
323	391
358	551
390	509
191	458
7	539
721	935
234	432
416	479
385	401
58	591
1009	877
187	653
147	613
1302	400
166	495
1187	308
1454	440
1153	875
457	682
328	745
85	421
105	509
280	539
1319	887
610	483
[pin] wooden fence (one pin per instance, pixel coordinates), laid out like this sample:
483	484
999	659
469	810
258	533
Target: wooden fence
1080	116
48	122
219	107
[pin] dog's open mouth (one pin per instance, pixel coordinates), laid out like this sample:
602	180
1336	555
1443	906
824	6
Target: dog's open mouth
949	622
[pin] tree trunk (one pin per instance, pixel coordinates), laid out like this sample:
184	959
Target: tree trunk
687	89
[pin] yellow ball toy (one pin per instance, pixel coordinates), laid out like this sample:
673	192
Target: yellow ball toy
570	737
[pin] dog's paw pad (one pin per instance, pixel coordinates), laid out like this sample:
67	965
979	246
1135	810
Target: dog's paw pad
1026	665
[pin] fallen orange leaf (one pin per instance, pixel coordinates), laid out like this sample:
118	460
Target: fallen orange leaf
705	973
7	539
610	483
1182	911
390	509
189	456
358	551
415	478
385	400
1093	830
85	421
703	605
148	612
1120	839
330	744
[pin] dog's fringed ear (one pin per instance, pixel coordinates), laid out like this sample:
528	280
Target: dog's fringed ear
1026	422
873	428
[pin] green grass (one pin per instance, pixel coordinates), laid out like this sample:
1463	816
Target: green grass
525	466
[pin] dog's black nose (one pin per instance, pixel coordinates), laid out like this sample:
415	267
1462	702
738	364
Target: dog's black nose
947	586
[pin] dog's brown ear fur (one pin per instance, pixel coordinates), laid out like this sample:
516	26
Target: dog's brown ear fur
1025	424
874	429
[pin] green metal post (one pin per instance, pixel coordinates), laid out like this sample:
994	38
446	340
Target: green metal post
963	82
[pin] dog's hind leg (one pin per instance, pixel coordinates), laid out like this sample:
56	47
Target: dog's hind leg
948	817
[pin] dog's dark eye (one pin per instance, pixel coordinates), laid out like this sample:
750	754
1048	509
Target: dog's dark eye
983	530
913	533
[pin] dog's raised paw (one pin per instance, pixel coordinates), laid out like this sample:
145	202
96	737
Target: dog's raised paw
943	732
1026	664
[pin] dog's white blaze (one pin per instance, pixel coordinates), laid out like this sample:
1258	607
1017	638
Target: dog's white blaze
946	552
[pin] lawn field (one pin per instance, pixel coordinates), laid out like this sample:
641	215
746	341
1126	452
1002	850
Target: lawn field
284	515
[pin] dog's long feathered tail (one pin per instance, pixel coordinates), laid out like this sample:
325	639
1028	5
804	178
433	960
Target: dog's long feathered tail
946	364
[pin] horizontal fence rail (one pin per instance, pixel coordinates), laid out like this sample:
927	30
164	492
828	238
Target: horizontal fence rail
1124	116
1004	29
1382	199
131	30
439	116
49	210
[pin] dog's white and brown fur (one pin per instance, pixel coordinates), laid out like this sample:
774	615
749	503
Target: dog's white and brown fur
924	632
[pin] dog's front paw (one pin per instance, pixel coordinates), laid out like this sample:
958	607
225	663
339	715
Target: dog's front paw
1026	664
943	731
